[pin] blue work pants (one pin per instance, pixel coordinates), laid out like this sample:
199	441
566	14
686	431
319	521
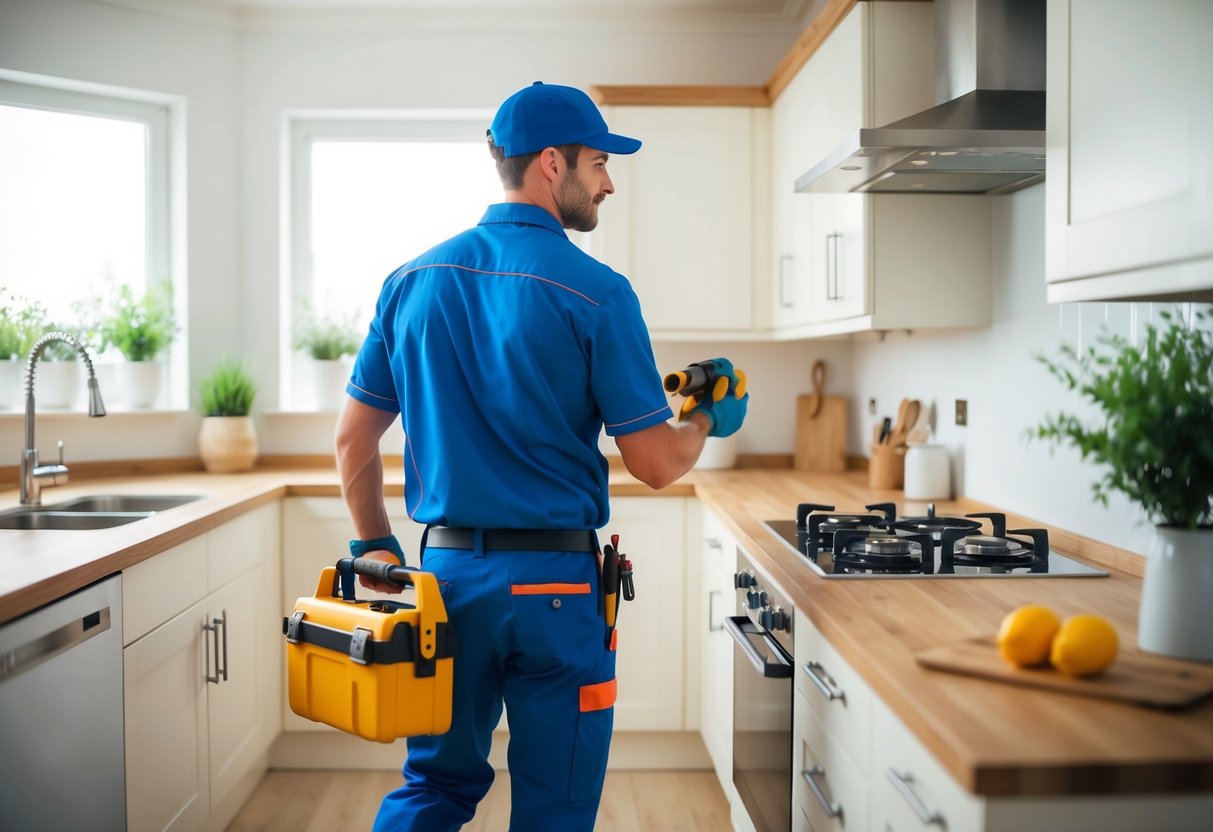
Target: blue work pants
532	635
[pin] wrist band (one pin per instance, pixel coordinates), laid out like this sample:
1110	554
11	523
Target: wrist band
358	548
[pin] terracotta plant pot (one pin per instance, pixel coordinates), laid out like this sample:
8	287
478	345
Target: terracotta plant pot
227	444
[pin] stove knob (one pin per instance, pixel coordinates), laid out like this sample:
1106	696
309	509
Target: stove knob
774	619
756	599
744	579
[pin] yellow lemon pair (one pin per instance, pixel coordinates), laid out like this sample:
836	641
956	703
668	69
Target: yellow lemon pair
1082	645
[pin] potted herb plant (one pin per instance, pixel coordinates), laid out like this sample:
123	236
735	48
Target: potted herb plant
1154	438
227	441
141	329
58	383
329	344
21	322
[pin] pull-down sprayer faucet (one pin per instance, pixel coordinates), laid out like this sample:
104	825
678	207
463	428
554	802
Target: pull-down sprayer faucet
35	477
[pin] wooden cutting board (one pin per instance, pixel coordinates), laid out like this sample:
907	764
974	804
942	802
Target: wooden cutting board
1140	678
821	428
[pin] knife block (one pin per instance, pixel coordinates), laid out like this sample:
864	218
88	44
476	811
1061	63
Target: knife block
886	465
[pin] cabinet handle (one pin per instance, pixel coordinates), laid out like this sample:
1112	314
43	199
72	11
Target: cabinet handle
833	292
902	782
824	683
713	627
830	807
222	622
211	628
784	259
713	543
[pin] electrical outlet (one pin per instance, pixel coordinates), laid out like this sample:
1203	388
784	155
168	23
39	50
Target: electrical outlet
871	407
962	412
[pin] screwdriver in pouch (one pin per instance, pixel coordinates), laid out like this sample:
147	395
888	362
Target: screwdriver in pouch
610	586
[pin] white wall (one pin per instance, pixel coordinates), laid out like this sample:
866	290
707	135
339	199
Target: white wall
1007	390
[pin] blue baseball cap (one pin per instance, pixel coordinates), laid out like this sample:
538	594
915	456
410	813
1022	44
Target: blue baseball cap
548	115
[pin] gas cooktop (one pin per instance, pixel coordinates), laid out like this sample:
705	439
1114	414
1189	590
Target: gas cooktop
876	543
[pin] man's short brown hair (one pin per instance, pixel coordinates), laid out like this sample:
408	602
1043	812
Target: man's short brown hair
512	168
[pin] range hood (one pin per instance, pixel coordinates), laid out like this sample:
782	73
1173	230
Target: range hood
988	133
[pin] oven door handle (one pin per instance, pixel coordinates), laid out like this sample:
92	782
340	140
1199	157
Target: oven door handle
741	628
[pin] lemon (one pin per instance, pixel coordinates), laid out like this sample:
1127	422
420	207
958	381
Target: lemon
1026	635
1085	645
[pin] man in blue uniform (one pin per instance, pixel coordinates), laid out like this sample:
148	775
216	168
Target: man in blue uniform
505	350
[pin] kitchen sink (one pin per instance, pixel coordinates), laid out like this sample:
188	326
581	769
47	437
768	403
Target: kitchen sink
108	503
102	511
36	519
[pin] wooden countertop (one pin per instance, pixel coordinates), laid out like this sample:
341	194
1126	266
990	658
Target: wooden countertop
995	739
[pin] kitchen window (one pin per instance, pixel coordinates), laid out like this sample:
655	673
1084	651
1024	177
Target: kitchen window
84	203
368	195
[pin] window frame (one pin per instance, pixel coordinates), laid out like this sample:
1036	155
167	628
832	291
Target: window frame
163	116
303	129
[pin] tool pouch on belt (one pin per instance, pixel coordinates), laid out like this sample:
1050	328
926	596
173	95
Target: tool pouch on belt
377	669
616	582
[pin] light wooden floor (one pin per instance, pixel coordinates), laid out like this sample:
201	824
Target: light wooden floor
632	801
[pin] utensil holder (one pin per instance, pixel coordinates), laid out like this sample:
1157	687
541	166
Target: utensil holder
886	465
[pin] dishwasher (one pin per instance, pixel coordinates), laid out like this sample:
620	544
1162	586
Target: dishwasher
62	764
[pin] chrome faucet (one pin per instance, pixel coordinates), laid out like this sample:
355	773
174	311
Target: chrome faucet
35	477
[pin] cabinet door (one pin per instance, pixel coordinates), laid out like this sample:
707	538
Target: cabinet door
232	715
1129	192
167	775
680	225
839	271
316	532
792	238
719	557
649	665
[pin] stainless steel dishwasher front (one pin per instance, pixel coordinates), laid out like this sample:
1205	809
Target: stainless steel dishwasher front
61	734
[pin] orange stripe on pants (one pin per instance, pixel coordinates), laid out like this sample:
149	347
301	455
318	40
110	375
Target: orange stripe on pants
598	697
550	589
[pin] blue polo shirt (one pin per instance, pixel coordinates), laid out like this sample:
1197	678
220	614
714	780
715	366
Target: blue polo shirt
506	349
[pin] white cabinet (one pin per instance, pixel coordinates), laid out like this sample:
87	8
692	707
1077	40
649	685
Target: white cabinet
717	564
848	263
200	703
1129	185
652	533
682	225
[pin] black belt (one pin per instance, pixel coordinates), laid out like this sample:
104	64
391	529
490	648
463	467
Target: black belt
513	540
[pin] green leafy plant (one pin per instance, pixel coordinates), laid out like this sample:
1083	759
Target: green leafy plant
326	338
60	350
21	322
140	328
228	391
1155	434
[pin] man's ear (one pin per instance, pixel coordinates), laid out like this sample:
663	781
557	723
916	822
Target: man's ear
550	163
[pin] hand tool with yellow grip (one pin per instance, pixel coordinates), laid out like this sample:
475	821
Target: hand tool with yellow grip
714	387
377	669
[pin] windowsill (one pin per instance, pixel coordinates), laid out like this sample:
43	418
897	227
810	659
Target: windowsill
82	412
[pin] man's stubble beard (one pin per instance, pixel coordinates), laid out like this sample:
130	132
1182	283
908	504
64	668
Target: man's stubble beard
578	210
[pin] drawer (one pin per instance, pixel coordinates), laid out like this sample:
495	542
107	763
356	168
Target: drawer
800	821
827	786
910	790
835	692
155	590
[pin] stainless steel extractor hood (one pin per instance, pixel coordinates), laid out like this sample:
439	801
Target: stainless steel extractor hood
988	133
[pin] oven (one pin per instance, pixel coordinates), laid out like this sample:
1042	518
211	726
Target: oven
762	699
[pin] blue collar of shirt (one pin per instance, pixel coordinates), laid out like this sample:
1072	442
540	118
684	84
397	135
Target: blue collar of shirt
522	212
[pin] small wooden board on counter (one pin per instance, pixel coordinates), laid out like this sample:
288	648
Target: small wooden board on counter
1140	678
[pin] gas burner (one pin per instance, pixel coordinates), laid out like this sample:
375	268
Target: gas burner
932	524
883	552
984	544
998	552
882	545
817	525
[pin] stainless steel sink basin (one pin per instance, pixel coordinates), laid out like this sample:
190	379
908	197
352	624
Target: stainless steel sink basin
35	519
123	502
101	511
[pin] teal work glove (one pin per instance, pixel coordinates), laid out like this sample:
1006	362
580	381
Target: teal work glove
724	403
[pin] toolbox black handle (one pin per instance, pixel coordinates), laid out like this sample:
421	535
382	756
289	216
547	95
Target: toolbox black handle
381	569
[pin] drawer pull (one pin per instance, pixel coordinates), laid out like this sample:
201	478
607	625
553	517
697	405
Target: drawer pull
713	543
902	782
830	807
824	683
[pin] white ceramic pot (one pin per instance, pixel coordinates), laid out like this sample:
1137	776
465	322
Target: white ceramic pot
139	383
12	383
1176	616
325	383
227	444
718	453
58	384
928	473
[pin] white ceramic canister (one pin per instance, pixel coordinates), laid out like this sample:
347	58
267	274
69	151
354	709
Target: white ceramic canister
928	474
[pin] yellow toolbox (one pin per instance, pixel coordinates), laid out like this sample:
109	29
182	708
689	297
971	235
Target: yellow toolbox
377	669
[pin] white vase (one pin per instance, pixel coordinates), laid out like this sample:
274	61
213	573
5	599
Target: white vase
1176	616
139	383
227	444
58	384
325	383
12	383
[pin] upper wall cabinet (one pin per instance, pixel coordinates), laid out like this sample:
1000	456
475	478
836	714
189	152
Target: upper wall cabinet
845	263
681	225
1129	188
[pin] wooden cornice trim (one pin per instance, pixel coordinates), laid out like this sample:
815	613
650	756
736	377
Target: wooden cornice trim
679	96
810	41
